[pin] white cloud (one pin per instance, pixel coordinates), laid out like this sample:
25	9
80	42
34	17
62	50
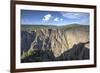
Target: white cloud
56	19
47	17
61	19
72	15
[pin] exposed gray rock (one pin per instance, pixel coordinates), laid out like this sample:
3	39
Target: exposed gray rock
26	40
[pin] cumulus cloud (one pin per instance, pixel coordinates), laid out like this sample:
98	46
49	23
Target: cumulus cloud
73	15
61	19
47	17
56	19
51	18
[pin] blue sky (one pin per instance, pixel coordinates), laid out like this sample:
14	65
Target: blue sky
31	17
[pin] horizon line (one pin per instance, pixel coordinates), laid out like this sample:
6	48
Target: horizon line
56	24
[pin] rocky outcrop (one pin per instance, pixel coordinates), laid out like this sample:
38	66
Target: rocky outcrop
77	52
56	41
26	40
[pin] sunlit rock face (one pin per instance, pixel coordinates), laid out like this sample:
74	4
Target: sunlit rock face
57	40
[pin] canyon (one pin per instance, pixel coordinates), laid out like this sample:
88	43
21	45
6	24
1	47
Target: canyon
54	43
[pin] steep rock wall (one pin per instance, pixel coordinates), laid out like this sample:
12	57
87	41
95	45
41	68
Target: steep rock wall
57	40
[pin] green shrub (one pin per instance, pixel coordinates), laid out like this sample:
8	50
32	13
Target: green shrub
27	54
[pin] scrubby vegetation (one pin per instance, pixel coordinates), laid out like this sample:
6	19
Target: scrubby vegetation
27	54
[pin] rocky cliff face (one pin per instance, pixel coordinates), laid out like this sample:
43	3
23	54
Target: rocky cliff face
57	40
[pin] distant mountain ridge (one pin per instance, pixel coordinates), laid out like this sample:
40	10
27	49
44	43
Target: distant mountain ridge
23	26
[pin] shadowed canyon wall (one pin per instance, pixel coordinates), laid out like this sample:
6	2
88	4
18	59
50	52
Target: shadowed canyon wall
57	40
